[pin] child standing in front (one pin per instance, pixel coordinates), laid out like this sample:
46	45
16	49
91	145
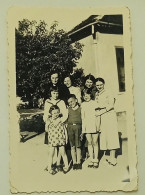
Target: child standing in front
89	127
57	137
54	100
74	130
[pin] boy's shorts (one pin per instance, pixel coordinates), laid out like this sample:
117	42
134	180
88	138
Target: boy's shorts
74	132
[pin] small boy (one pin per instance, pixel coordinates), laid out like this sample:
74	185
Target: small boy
74	130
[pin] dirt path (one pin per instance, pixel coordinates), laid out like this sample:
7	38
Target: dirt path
31	160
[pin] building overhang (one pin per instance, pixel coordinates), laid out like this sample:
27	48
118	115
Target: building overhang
90	27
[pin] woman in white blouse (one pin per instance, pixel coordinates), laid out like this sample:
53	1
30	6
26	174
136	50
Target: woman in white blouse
109	139
73	90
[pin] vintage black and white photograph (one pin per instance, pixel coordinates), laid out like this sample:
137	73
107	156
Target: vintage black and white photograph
72	122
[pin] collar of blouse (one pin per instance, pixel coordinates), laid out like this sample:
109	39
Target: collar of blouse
99	93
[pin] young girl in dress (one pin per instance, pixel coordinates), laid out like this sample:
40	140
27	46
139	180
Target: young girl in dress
57	138
54	100
89	127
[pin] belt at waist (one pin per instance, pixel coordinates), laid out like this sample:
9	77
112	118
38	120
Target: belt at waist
74	124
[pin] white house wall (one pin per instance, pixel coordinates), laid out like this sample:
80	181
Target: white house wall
99	59
87	61
108	66
107	59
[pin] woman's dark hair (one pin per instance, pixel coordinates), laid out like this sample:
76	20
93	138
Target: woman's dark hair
54	72
69	76
100	79
87	91
54	107
90	77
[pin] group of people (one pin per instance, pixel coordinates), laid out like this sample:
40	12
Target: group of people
72	113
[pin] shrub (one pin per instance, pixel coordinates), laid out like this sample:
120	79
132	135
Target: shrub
33	123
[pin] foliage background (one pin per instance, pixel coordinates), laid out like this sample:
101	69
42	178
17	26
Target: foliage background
39	51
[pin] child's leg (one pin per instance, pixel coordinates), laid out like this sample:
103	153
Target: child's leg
50	157
64	156
71	136
58	157
95	146
73	154
112	159
55	157
90	146
78	151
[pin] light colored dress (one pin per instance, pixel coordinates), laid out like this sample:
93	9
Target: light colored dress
76	91
109	138
88	117
60	104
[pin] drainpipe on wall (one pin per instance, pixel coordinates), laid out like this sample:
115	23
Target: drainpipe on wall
95	49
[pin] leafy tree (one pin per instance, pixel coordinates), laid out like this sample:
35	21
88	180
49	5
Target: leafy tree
38	52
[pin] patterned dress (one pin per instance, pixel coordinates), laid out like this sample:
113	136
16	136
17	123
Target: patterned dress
56	133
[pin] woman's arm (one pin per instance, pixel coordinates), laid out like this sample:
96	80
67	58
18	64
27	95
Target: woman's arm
78	95
83	118
110	102
66	136
97	108
63	111
46	111
47	123
106	102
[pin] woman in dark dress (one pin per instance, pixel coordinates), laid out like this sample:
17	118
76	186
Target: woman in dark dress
62	89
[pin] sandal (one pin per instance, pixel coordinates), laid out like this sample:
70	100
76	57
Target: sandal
79	166
96	165
65	170
74	166
52	172
59	168
113	162
91	164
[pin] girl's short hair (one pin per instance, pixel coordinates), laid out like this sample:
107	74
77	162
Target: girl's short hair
54	107
87	91
90	77
100	79
71	96
54	88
